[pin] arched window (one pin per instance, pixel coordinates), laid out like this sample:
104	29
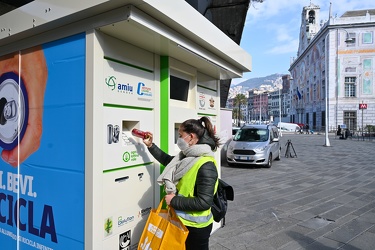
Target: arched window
311	16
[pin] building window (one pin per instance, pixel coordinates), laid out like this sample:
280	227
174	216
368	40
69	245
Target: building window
350	119
308	95
367	38
367	85
350	86
350	69
314	120
314	94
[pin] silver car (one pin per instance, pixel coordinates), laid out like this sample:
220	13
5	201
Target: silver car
254	144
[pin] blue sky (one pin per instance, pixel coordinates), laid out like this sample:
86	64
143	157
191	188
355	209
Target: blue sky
272	28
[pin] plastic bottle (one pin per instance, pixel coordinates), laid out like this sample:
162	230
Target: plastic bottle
139	133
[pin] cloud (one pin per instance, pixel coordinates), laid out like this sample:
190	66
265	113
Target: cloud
282	32
284	48
261	12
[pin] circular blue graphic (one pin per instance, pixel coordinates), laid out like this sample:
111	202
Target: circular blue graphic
14	110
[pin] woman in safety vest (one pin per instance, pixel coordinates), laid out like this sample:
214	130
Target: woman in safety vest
190	178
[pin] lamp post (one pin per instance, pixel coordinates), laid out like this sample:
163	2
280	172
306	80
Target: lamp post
260	108
362	123
359	97
327	143
280	111
280	106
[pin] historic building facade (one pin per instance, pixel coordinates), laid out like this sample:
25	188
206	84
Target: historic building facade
338	54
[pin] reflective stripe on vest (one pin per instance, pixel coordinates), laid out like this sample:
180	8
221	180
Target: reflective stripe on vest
185	188
196	219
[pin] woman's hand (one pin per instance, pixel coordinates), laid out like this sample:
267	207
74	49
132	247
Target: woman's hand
148	140
168	198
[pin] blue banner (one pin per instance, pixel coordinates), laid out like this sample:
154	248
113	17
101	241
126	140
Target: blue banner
42	168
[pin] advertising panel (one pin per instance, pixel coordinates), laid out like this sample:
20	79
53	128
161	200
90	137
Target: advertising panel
42	110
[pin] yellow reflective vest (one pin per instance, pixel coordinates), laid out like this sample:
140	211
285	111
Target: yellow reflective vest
185	188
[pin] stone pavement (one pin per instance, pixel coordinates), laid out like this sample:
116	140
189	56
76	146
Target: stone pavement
322	199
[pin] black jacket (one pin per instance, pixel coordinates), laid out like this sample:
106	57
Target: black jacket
204	186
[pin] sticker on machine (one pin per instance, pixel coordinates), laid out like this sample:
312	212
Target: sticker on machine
125	240
108	226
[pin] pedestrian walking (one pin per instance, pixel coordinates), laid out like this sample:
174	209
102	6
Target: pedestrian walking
307	127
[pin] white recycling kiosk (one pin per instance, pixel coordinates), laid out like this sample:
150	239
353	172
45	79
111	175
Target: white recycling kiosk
75	78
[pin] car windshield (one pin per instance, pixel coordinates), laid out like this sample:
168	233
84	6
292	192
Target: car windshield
251	135
234	131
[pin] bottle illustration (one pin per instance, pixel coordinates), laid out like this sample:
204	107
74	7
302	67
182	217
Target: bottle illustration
109	133
13	110
139	133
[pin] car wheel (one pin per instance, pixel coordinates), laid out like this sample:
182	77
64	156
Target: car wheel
278	158
230	164
269	161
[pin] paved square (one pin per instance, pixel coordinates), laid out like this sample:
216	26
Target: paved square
322	199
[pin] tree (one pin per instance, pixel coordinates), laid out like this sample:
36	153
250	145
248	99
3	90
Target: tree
235	113
239	100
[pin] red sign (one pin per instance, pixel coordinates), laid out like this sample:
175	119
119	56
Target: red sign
363	106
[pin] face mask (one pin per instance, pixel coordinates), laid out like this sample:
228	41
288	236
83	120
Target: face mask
182	144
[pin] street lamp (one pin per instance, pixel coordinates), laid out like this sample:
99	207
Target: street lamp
327	143
280	106
260	108
348	38
363	138
280	111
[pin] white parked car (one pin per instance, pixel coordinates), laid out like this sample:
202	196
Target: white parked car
254	144
290	127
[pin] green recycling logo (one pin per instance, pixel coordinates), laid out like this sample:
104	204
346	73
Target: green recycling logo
110	81
108	226
126	157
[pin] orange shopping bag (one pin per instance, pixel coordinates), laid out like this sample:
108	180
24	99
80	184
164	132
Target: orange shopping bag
163	231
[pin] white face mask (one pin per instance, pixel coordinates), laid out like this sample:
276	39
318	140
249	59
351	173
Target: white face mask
182	144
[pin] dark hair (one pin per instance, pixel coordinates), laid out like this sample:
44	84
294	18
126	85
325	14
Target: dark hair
199	127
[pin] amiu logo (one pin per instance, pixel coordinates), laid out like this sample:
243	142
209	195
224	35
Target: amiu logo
142	89
121	87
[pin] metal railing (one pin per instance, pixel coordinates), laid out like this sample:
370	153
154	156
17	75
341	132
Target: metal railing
368	134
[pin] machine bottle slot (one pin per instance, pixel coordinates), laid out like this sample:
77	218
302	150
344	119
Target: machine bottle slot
122	179
109	133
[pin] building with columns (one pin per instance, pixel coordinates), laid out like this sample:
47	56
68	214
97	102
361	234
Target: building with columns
334	71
